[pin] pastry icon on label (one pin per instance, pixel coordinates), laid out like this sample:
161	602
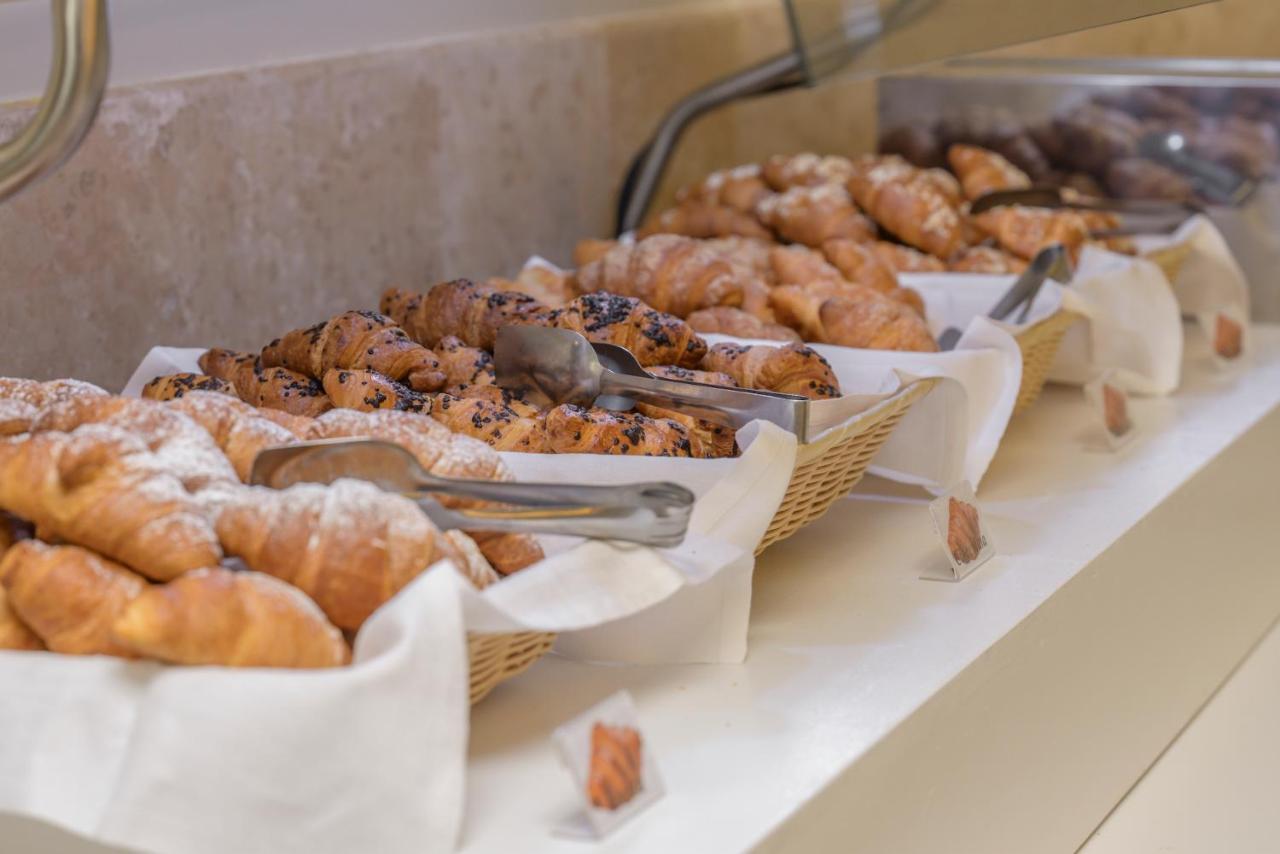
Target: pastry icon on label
614	775
612	766
1115	410
957	520
1228	337
1110	404
964	532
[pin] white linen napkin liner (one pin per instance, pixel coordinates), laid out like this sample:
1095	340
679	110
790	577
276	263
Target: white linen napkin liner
1210	279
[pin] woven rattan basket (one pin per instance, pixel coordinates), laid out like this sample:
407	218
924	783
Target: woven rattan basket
497	657
1170	259
1039	345
827	469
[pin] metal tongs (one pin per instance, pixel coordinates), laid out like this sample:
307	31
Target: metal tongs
1213	181
1052	262
1156	217
654	514
555	366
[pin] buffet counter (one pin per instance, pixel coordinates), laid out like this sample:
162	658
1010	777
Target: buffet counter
1009	711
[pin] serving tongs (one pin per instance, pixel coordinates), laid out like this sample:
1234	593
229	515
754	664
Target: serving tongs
1052	262
555	366
1215	182
653	514
1157	217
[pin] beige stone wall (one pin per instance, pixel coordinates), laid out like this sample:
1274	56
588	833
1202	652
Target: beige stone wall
226	209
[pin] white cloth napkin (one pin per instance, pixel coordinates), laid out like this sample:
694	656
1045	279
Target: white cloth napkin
206	760
1210	279
1133	325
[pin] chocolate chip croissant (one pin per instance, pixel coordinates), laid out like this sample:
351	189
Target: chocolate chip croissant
461	308
653	337
790	368
356	340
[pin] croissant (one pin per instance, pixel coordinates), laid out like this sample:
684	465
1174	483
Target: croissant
239	430
68	596
41	394
859	263
356	340
1025	231
615	771
591	249
964	531
298	425
675	372
669	272
574	430
852	316
799	265
272	388
216	616
724	320
180	445
811	215
473	313
982	171
986	259
515	400
348	545
365	390
14	634
701	219
944	183
16	417
499	426
912	209
470	561
784	171
463	365
904	259
738	188
790	368
100	487
653	337
445	454
547	286
174	386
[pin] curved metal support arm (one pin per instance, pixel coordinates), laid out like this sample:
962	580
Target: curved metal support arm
76	84
780	72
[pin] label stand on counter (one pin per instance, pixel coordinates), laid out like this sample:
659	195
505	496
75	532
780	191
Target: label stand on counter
612	767
957	521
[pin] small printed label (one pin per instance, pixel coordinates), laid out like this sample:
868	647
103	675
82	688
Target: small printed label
611	764
957	520
1110	403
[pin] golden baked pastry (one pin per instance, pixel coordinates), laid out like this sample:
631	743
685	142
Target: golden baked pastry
174	386
273	388
498	425
982	171
790	368
986	259
724	320
910	206
1025	231
964	531
215	616
366	391
652	336
574	430
68	596
614	773
812	215
470	312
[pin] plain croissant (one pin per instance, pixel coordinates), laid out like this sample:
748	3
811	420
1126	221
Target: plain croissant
349	545
100	487
668	272
68	596
236	619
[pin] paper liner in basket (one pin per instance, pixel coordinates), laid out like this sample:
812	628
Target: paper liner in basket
1208	279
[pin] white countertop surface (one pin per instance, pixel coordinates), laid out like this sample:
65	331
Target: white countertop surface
846	641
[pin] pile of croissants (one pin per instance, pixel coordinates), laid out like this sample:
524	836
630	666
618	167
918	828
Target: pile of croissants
430	355
121	521
808	248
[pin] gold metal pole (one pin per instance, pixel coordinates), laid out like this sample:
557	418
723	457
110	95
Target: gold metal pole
77	81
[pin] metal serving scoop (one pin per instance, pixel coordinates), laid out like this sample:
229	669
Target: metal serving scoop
1051	262
555	366
1154	217
655	514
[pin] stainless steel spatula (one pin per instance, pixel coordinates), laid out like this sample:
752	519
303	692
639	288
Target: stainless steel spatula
655	514
555	366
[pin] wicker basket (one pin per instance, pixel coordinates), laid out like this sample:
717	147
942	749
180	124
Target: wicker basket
498	657
1039	345
827	469
1170	259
